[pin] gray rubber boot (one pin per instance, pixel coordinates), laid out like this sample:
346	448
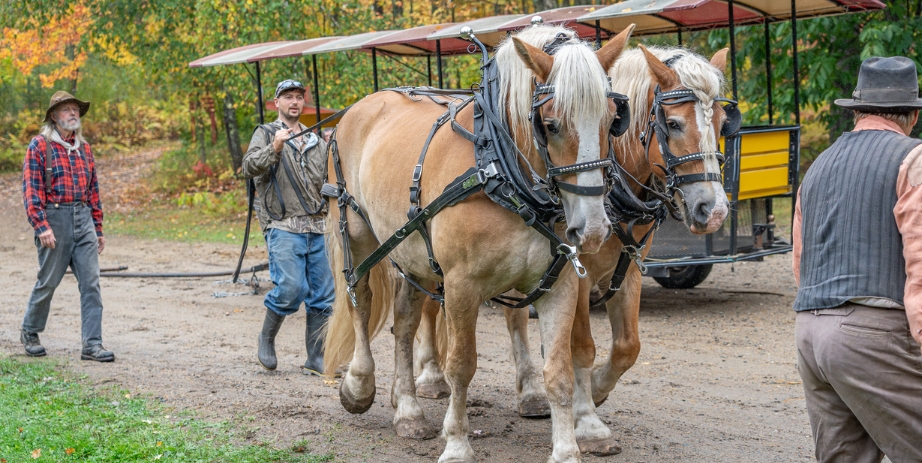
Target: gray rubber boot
271	326
314	343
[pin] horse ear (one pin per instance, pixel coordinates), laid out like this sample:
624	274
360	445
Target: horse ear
719	60
666	77
535	58
612	50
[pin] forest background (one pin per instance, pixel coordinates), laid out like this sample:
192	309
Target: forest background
130	59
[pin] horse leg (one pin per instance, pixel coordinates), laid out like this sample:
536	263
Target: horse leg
430	384
623	313
555	318
592	435
531	395
357	391
409	420
462	307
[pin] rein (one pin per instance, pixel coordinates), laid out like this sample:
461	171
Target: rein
251	195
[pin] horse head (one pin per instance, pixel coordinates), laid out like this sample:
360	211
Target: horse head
559	111
678	119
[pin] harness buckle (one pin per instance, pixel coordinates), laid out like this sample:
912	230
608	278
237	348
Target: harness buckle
573	257
490	171
634	253
351	292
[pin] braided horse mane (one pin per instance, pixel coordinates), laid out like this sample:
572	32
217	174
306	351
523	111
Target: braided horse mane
631	76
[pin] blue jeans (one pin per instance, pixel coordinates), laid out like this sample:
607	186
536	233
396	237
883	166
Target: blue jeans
76	247
299	268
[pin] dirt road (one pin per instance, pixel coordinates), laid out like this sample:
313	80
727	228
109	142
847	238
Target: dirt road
715	381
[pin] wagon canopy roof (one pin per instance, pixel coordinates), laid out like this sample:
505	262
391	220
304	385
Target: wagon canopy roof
650	16
261	51
665	16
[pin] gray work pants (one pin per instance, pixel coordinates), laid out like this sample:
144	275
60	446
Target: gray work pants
76	247
862	378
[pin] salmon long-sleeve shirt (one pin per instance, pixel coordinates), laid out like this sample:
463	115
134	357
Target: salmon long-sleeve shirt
908	216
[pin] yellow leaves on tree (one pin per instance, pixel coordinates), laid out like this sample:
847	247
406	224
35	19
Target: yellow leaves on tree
53	43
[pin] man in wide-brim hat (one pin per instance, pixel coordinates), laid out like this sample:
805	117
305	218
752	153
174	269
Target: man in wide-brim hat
858	263
61	197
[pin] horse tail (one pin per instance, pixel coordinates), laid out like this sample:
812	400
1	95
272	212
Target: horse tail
340	335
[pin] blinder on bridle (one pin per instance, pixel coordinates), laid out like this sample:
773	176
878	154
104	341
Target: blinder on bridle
544	93
661	130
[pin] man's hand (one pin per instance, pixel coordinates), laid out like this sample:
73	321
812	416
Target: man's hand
102	243
281	136
47	238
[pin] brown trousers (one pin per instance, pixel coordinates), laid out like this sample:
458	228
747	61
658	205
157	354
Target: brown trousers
862	377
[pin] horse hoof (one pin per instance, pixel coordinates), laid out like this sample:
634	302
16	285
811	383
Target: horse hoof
417	429
535	407
600	447
457	460
351	404
439	390
600	401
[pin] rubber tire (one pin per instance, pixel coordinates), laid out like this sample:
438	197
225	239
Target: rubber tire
685	277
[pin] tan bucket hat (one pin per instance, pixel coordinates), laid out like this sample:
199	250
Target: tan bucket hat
60	97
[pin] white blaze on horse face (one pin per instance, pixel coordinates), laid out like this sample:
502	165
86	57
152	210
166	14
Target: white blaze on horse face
706	205
587	223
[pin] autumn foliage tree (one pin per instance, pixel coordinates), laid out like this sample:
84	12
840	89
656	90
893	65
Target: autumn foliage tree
55	46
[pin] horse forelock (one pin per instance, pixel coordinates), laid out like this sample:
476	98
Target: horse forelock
631	76
580	83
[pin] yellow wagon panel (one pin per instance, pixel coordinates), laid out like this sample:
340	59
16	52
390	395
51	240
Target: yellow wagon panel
764	182
764	142
764	161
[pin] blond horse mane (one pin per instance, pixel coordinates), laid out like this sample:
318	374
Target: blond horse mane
631	76
578	77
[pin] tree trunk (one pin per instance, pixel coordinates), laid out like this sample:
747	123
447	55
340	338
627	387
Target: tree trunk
233	135
541	5
69	52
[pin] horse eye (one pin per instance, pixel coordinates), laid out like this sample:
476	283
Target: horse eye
552	127
673	125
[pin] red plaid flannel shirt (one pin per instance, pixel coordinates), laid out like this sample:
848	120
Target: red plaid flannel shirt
73	179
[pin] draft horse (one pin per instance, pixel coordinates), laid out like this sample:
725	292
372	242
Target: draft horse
553	109
668	161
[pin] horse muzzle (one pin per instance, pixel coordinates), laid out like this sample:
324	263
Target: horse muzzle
704	217
588	240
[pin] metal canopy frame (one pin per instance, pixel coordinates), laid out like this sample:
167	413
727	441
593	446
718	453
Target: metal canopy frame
650	16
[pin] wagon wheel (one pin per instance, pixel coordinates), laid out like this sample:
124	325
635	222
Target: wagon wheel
684	277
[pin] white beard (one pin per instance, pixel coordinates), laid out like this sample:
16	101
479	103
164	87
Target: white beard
70	126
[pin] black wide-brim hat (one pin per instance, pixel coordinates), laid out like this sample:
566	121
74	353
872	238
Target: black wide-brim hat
889	85
60	97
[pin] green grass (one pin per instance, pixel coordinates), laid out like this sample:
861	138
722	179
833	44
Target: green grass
50	416
171	223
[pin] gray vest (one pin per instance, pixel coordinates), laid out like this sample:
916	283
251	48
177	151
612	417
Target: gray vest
851	245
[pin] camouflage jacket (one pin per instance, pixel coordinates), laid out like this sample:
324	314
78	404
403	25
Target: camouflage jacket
288	183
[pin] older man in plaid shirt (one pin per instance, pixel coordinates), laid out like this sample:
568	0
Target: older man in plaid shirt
61	197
